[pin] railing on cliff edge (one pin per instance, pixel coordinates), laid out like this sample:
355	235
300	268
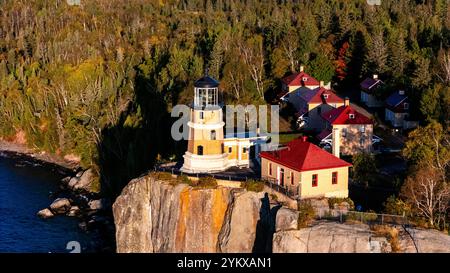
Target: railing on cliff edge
289	191
177	171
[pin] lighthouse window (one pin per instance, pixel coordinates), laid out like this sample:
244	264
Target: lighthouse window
210	97
213	135
200	150
201	115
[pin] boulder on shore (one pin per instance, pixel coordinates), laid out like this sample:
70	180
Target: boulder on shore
60	206
45	213
74	211
82	180
99	204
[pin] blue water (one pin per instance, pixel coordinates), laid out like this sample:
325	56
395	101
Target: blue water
24	190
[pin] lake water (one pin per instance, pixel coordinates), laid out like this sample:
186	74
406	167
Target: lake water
25	188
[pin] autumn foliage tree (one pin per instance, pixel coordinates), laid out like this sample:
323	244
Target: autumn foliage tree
341	61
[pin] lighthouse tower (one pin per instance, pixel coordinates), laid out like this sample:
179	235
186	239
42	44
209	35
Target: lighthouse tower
205	151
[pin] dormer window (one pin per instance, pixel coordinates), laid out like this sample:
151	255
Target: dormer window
406	106
351	116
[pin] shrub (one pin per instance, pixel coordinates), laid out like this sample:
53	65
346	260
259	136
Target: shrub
274	197
253	185
162	176
165	176
363	217
184	179
335	200
306	214
391	234
206	182
396	206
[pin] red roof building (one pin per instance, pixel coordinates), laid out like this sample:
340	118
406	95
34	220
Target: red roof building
301	155
300	79
297	80
355	130
323	95
345	115
306	170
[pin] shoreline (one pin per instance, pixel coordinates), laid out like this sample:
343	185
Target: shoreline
22	152
94	220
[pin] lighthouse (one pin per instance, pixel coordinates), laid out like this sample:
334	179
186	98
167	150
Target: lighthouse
205	152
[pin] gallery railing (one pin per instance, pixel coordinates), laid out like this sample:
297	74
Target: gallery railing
290	191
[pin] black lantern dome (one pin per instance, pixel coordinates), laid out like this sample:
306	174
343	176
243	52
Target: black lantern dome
206	82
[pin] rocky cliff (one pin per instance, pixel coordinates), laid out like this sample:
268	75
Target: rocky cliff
156	216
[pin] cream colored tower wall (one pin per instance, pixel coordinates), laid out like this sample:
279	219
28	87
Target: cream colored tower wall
206	131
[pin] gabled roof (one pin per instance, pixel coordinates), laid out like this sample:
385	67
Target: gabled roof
296	79
301	155
341	115
324	134
370	83
318	95
323	95
395	99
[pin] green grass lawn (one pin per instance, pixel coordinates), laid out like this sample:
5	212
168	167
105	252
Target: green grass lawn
285	138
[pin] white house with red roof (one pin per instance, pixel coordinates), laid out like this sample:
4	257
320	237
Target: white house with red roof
368	91
306	169
311	103
353	130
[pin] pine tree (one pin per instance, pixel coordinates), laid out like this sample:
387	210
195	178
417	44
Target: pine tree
377	52
421	76
399	55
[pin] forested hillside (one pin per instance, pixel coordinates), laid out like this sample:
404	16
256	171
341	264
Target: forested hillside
98	80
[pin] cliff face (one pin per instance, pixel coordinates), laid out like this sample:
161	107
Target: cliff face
154	216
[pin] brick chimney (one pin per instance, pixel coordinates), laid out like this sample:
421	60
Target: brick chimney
336	142
302	68
346	101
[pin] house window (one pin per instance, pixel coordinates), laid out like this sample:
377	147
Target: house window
325	96
406	105
351	116
244	150
230	149
305	79
270	168
344	132
292	178
222	146
201	115
213	135
362	129
314	180
200	150
334	178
